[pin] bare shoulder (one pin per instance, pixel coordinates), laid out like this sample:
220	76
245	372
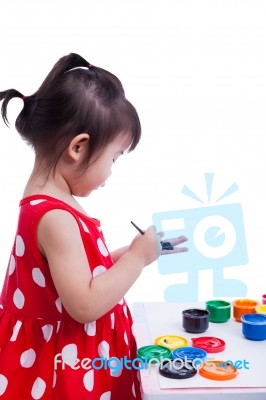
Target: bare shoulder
59	216
58	229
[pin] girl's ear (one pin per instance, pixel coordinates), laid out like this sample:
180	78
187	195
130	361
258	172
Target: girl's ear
78	146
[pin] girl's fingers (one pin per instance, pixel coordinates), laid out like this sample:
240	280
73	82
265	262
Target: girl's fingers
175	250
177	241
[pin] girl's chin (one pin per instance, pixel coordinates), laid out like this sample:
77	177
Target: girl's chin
99	187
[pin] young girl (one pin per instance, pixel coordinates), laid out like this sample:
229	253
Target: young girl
63	320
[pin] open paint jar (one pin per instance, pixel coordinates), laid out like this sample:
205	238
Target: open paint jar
261	309
244	306
220	310
263	299
254	326
195	320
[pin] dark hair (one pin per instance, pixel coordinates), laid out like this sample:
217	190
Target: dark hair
74	98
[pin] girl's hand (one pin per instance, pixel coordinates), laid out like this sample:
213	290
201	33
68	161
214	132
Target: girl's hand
175	242
147	247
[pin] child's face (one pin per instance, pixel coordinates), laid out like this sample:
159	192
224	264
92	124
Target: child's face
101	169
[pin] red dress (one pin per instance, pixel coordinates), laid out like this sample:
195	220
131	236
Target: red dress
44	353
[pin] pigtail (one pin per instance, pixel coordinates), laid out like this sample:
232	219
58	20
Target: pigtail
7	95
64	64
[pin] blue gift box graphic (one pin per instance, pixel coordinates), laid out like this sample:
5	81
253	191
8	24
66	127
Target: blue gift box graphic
216	239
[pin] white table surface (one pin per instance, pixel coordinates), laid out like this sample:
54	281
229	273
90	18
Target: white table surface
156	319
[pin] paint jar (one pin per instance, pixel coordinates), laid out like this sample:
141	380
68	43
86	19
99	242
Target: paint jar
195	320
254	326
263	299
261	309
244	306
220	310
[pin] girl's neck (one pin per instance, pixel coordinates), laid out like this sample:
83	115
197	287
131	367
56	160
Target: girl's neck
52	185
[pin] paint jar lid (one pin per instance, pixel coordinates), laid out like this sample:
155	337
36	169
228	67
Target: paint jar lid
189	353
171	342
176	369
209	343
218	371
157	352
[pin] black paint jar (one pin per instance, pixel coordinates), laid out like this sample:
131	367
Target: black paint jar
195	320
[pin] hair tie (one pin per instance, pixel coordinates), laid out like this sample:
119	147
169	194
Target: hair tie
89	65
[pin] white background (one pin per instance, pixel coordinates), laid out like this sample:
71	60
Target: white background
196	72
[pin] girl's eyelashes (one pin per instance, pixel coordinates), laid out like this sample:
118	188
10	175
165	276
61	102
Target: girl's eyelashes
120	154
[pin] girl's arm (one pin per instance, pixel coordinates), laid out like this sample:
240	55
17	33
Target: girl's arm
116	254
87	298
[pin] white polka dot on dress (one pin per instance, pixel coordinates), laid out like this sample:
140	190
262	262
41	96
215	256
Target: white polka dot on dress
38	389
88	380
20	246
18	299
3	384
38	277
58	326
16	329
58	304
133	390
98	270
27	358
103	349
12	265
125	310
70	354
125	338
47	331
115	372
54	379
35	202
112	317
84	226
90	328
101	246
106	396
